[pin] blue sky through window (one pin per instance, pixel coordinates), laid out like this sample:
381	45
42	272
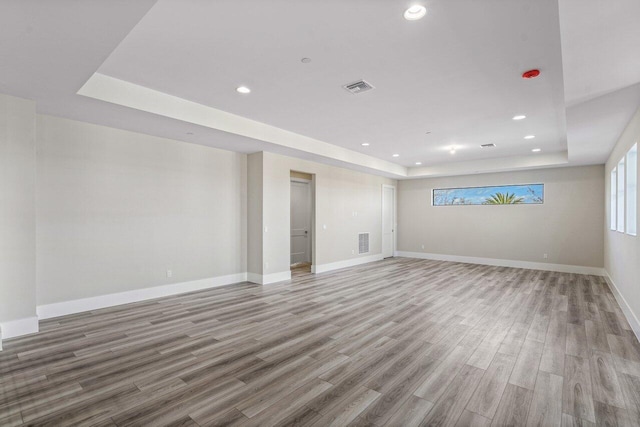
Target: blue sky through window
519	194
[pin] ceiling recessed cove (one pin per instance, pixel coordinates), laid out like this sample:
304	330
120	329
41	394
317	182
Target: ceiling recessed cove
488	145
359	87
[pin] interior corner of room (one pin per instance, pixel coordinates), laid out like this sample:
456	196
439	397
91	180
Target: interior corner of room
113	191
101	216
275	212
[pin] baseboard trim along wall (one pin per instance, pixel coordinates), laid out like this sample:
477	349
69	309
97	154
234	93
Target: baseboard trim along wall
560	268
626	308
267	279
323	268
48	311
19	327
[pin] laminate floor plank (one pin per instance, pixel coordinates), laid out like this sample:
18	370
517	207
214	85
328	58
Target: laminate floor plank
514	406
487	396
577	396
577	344
606	388
546	406
525	370
470	419
399	342
411	412
450	406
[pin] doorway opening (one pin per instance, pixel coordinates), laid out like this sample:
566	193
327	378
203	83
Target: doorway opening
302	222
388	221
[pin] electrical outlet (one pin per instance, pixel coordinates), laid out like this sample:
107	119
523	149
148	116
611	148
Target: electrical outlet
353	251
266	229
266	265
324	226
422	246
545	256
169	273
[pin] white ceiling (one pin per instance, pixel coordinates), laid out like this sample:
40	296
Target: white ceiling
173	66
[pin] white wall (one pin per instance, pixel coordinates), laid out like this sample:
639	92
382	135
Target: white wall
621	251
116	209
338	194
568	226
17	216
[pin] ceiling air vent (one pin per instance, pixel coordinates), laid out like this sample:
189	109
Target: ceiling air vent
488	145
358	87
363	243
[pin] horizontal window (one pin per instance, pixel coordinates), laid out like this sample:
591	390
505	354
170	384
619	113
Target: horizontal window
528	194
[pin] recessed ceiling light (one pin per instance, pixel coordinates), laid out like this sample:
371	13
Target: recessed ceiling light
243	90
396	155
365	144
453	150
305	60
519	117
418	163
537	150
415	12
529	137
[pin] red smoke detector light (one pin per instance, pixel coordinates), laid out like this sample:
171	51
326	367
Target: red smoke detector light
530	74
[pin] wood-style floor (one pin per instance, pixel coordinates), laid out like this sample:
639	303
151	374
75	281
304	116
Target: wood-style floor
400	342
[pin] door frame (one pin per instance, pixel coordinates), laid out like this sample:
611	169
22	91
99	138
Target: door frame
312	196
394	222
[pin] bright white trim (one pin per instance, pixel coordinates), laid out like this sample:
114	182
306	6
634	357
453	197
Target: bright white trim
624	305
323	268
268	279
561	268
17	328
48	311
302	180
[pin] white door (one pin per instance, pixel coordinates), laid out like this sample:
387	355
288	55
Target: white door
388	221
300	222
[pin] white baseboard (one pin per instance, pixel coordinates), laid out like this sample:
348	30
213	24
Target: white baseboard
93	303
323	268
267	279
18	327
561	268
626	308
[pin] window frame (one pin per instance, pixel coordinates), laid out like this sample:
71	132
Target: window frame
631	190
620	207
613	199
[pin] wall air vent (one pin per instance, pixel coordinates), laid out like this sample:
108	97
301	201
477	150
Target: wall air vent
358	87
488	145
363	243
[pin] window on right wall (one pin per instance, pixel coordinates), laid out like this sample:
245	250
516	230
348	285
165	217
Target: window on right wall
620	207
632	190
624	194
614	198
